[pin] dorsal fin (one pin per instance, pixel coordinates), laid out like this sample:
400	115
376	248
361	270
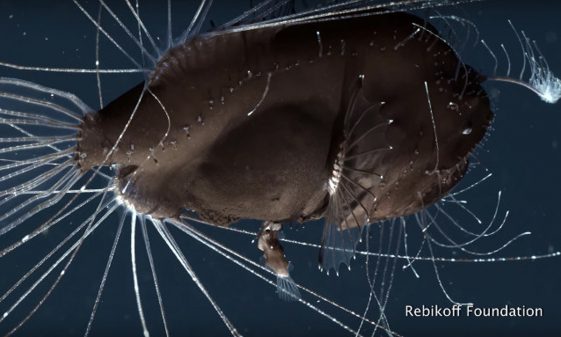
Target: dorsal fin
263	11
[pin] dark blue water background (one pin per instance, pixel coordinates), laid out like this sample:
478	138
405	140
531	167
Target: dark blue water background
523	152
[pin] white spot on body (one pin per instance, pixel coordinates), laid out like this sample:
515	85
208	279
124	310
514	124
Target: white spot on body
320	44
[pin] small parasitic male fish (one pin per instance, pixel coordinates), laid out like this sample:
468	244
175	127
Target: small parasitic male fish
275	260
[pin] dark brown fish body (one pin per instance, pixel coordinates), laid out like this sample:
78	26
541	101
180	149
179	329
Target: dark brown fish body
257	119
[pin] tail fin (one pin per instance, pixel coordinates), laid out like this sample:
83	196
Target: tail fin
287	289
38	128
